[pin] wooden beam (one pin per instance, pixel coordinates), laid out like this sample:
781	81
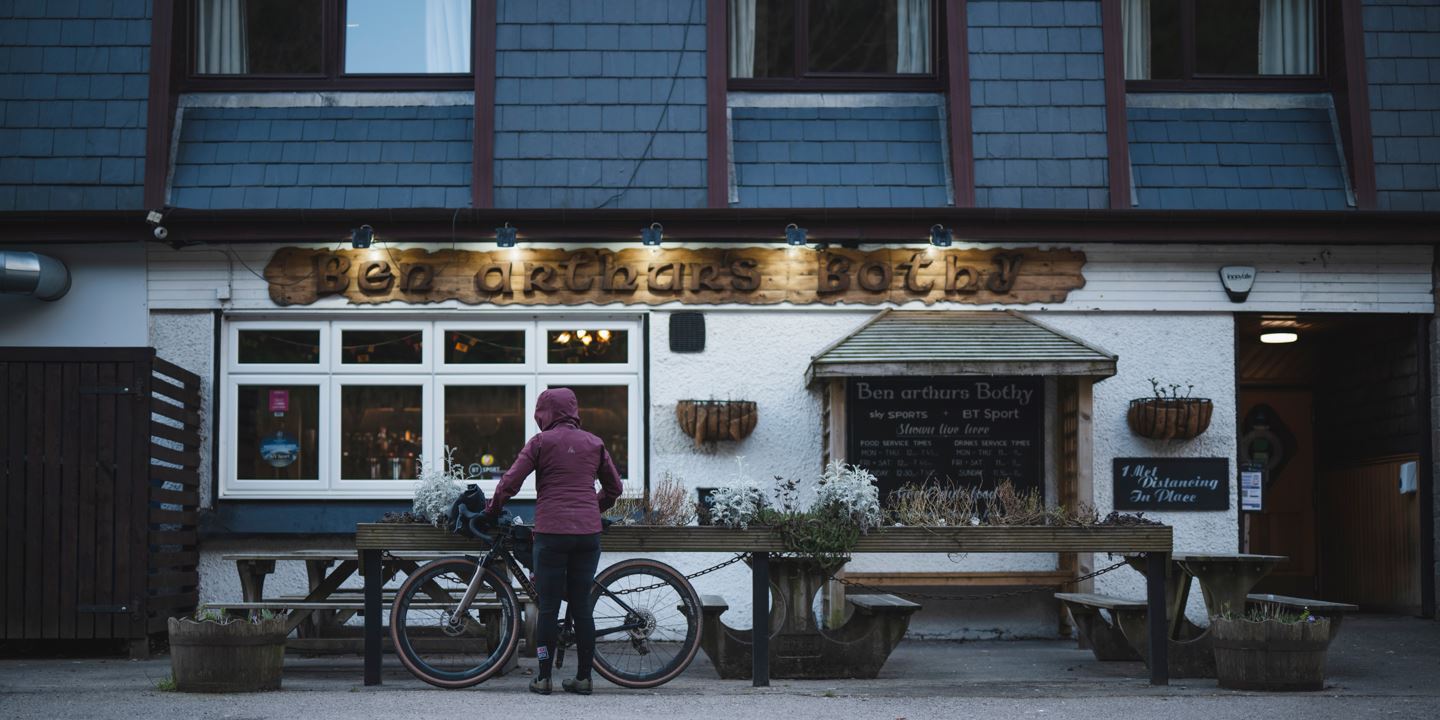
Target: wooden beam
959	115
1117	133
160	111
717	105
959	579
482	159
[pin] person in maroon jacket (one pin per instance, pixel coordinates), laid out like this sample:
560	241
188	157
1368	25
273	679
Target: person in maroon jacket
566	461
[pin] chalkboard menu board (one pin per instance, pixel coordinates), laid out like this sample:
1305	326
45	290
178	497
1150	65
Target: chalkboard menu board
955	431
1172	484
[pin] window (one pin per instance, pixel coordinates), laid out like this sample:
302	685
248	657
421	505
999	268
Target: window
1222	42
347	408
857	44
279	44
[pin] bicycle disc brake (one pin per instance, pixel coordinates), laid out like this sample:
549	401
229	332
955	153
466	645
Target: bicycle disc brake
640	636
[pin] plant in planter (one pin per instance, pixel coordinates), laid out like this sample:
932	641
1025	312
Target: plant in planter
214	653
1270	648
439	484
1169	415
667	504
822	520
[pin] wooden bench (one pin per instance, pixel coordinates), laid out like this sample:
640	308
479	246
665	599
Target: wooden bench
1105	639
1335	612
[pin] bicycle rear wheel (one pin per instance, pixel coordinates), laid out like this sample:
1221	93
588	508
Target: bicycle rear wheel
647	623
467	651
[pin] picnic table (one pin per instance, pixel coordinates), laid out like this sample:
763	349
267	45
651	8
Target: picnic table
1152	545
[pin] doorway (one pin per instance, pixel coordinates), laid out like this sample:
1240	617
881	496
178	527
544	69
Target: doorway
1331	410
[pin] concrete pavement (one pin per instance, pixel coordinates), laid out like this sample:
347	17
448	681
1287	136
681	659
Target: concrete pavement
1379	667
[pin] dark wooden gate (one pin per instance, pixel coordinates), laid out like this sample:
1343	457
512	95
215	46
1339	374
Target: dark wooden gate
99	449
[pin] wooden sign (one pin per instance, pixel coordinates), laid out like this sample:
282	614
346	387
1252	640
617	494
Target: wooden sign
952	431
1172	484
756	276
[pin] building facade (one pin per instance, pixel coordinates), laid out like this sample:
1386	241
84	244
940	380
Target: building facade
311	206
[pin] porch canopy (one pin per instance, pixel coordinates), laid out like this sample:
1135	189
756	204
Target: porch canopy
955	342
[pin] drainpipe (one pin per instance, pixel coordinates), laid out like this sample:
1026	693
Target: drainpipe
27	273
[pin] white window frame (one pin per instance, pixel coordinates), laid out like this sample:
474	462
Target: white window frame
432	375
442	367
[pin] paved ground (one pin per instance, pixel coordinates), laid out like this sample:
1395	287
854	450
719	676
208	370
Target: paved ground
1380	667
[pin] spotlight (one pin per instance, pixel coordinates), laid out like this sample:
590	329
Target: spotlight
653	235
505	236
939	236
795	235
362	237
1278	338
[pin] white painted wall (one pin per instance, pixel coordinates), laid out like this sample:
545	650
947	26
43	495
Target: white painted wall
106	306
188	340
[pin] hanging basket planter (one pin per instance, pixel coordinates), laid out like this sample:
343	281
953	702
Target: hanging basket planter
712	420
1169	418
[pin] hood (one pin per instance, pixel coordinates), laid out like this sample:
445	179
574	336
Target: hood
557	406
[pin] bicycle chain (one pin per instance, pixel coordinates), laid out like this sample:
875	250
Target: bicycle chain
986	596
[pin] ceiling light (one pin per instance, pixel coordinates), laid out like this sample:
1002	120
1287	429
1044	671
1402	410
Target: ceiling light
940	236
795	235
1278	337
653	235
505	236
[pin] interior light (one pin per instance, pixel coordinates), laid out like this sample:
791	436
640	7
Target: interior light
604	335
940	236
586	340
582	334
653	235
795	235
362	237
1278	337
505	236
563	338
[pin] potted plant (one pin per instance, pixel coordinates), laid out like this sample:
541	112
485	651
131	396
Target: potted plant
1270	648
211	652
1168	415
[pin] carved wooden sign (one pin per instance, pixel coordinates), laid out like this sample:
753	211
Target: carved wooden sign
757	276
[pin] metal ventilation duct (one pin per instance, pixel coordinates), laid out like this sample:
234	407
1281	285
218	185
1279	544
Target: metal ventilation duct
27	273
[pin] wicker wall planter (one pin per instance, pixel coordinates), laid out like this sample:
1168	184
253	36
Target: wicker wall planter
712	420
1169	418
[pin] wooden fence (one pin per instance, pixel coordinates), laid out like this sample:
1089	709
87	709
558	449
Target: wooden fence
99	453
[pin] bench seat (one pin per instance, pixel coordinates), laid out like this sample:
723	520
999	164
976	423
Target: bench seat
1104	638
881	602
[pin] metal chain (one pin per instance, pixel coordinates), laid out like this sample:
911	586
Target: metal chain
738	557
986	596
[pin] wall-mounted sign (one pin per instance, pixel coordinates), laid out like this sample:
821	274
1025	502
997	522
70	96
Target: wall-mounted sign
951	431
758	276
1252	487
1172	484
280	449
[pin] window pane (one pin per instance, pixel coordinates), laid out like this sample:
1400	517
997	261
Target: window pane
410	38
588	347
484	347
762	38
1227	37
380	431
282	347
870	36
485	427
258	37
605	411
1163	43
382	347
276	431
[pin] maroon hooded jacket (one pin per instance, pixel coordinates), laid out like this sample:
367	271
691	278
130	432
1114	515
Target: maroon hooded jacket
566	460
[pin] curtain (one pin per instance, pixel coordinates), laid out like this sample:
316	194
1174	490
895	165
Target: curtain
220	30
913	44
1287	37
1135	19
742	38
447	36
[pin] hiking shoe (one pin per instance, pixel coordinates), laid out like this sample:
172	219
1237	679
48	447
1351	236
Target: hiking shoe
579	687
541	686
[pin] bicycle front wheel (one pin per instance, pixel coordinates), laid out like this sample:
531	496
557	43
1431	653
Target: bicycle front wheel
647	623
449	650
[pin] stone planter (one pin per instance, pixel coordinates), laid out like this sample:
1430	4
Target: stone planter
236	656
1169	419
1270	655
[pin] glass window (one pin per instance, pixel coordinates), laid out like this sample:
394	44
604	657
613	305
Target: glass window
279	347
485	426
407	38
380	431
857	37
485	347
1230	39
258	37
382	347
605	412
588	347
277	432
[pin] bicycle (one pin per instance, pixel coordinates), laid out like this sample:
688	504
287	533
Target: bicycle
455	622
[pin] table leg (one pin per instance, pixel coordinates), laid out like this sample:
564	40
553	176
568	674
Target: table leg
374	583
1156	563
760	618
252	578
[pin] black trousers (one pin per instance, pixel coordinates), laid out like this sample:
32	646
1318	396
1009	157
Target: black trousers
565	570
